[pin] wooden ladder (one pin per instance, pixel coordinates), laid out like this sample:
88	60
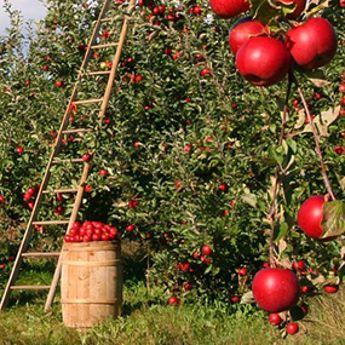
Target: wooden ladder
22	251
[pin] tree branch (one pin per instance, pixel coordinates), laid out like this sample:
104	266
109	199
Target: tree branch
317	143
277	175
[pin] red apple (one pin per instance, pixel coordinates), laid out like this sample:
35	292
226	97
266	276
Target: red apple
242	271
223	187
310	216
235	299
243	31
86	157
305	289
88	188
299	265
205	72
275	289
59	83
59	210
130	228
263	61
292	328
331	288
187	286
103	172
183	266
173	300
206	250
20	150
299	6
312	44
229	8
274	319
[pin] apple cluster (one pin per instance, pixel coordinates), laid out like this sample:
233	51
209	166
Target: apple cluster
91	231
264	59
30	196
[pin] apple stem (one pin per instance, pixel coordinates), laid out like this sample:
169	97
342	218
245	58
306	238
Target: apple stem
277	175
317	143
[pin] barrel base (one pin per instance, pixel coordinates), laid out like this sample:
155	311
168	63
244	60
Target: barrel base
91	283
88	315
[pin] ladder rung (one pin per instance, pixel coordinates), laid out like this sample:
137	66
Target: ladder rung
97	73
89	101
61	161
77	130
50	222
40	255
106	45
62	191
30	287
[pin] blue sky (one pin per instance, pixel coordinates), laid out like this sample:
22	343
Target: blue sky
31	9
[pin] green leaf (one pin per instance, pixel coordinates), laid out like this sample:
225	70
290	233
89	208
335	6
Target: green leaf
250	199
333	222
282	231
292	144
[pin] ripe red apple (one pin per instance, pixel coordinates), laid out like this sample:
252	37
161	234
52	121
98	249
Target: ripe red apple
299	265
2	199
20	150
59	83
263	61
205	72
173	300
331	288
86	157
292	328
229	8
223	187
305	289
103	172
275	289
242	271
243	31
130	228
88	188
206	250
59	210
187	286
339	150
310	216
299	6
312	44
183	266
274	319
235	299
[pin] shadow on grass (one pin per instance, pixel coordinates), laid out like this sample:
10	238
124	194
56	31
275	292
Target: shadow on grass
130	308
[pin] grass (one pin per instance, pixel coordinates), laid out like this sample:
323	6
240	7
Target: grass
147	320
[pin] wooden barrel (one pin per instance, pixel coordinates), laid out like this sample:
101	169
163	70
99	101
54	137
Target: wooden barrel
91	283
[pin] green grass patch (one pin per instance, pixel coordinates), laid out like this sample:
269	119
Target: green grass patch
148	320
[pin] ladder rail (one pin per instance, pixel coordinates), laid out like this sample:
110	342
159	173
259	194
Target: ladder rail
73	218
116	60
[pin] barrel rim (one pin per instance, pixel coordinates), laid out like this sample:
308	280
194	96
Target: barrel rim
91	244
